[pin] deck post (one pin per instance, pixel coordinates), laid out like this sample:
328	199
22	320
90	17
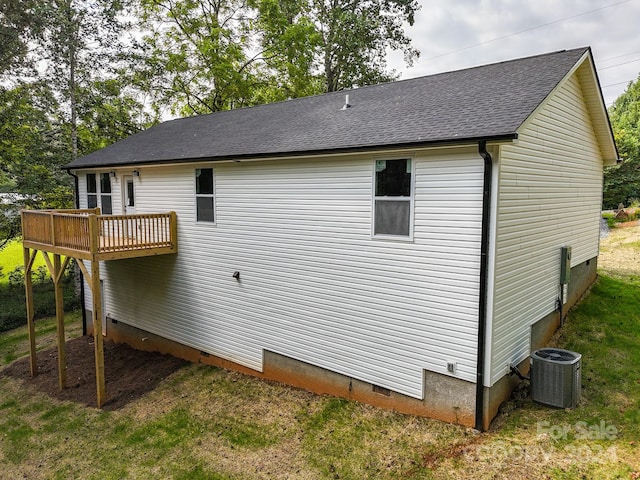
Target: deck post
94	241
28	288
97	331
173	225
62	354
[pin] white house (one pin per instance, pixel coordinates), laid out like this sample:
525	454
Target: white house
398	244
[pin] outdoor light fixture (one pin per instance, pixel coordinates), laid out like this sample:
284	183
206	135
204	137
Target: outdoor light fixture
112	174
136	173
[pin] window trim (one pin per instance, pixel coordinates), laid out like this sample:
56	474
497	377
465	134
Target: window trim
106	194
98	193
94	193
197	195
410	199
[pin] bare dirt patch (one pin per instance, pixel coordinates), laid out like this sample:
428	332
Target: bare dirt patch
129	373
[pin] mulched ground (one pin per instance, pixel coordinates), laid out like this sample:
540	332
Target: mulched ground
129	373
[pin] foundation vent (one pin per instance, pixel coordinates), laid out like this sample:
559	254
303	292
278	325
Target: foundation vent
381	390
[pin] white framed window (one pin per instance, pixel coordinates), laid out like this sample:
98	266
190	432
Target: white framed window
205	201
393	198
92	191
106	205
104	180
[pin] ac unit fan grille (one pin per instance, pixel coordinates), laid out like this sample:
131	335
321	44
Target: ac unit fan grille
557	355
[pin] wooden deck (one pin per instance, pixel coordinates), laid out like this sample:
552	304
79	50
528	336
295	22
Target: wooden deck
87	235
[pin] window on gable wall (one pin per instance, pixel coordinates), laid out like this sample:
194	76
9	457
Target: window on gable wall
393	198
204	195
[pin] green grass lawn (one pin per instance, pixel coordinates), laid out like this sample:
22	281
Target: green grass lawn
11	257
207	423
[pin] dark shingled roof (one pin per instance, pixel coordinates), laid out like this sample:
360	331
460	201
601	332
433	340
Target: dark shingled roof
481	103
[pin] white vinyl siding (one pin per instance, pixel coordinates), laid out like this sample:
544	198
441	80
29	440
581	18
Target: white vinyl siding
116	204
549	195
314	285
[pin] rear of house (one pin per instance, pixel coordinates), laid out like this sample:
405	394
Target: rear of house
403	251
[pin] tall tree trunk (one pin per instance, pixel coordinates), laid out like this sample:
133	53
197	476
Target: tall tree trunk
73	103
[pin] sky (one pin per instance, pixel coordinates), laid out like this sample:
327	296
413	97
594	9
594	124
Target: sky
456	34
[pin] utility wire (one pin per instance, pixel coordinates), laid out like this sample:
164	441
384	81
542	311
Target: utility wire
618	56
619	64
618	83
523	31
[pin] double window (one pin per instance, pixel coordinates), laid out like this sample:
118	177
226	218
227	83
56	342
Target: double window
393	198
105	192
204	195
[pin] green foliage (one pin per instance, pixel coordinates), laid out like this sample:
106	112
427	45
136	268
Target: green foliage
108	112
622	182
206	56
21	21
329	46
13	300
32	150
612	220
356	35
81	45
197	57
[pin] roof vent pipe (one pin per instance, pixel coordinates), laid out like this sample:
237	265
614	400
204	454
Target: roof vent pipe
346	103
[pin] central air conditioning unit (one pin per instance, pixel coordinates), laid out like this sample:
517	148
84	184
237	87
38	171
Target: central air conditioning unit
556	377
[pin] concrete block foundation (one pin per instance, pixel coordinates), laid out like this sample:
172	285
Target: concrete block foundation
445	398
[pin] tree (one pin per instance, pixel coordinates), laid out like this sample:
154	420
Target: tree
107	112
208	55
32	150
343	42
197	54
291	44
74	103
81	42
622	182
21	21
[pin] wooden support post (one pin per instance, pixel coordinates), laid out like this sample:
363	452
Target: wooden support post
62	355
173	227
97	331
28	288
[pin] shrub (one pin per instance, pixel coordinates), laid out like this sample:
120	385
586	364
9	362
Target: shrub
13	298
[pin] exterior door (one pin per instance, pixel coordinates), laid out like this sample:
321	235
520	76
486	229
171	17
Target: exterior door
129	200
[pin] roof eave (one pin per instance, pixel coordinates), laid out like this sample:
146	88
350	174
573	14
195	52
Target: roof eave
603	128
500	138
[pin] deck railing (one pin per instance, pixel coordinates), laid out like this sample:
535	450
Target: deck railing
88	231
